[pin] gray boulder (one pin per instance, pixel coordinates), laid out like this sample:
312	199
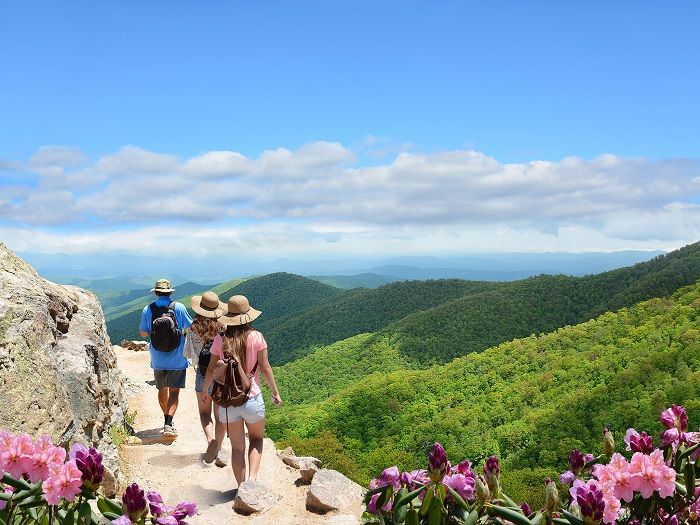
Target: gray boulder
253	496
331	490
308	470
289	458
58	372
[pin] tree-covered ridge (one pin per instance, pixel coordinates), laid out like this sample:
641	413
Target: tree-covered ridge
530	401
359	311
536	305
279	294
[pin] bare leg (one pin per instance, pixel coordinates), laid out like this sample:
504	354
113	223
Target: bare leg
205	416
173	397
219	428
256	432
236	434
163	399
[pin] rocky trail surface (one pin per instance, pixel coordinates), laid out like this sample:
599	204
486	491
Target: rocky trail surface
178	472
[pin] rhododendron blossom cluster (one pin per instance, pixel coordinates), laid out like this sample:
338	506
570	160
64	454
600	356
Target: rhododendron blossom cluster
41	483
649	486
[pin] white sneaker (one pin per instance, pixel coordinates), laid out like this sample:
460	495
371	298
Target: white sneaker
169	430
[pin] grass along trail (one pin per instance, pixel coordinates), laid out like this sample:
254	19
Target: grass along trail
177	470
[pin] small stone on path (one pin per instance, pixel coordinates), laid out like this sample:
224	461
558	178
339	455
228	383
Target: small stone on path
307	469
253	496
331	490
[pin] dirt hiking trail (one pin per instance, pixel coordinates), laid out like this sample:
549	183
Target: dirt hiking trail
178	472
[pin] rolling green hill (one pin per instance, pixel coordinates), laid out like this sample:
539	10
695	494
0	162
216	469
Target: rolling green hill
530	400
358	311
436	321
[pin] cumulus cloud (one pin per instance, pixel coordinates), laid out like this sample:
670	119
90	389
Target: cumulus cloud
326	193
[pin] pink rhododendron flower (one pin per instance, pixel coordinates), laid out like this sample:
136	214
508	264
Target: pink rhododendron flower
16	458
567	478
64	481
675	416
461	484
637	442
390	476
45	455
122	520
617	477
372	505
612	509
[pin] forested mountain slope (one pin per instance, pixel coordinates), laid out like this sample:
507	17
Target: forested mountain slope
358	311
530	400
535	305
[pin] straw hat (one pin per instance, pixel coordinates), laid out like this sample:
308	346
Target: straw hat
238	312
163	285
208	305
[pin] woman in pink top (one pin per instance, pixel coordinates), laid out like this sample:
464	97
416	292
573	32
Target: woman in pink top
249	348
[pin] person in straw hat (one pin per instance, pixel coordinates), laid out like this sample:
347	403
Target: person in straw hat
249	347
203	335
169	368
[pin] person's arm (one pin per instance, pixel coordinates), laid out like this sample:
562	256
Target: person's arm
208	377
266	369
144	327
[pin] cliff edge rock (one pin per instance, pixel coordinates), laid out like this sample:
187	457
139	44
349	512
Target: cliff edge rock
58	372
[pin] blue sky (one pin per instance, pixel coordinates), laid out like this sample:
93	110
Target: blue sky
341	119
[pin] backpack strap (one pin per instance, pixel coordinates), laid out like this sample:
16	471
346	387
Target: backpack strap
252	372
171	308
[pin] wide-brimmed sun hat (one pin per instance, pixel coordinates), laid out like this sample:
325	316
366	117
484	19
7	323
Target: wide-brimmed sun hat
163	285
238	312
208	305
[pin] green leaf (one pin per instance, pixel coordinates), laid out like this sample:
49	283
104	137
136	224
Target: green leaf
560	521
69	519
412	517
435	512
16	483
427	500
409	497
5	496
34	501
472	518
458	499
372	492
109	505
111	515
509	501
574	520
508	514
681	488
85	513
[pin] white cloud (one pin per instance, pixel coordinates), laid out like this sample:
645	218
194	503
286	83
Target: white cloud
319	194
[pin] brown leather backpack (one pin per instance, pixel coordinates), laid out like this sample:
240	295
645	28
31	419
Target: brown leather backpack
231	384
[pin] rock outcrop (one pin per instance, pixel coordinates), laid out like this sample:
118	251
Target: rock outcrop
331	490
253	496
57	369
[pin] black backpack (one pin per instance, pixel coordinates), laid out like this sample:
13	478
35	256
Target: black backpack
204	358
165	334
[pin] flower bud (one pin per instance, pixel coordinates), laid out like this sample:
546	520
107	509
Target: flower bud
525	508
482	489
675	417
576	461
551	496
437	463
567	478
492	471
134	502
89	462
608	442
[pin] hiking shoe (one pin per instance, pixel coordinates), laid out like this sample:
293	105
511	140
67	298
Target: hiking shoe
210	454
169	430
221	460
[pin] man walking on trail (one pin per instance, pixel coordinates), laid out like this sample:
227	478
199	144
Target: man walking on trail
164	321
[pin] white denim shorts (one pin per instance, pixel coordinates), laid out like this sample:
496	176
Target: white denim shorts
252	412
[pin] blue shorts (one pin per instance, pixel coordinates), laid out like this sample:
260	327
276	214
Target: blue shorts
252	412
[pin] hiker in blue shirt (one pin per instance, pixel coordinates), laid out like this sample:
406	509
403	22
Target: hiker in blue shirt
167	341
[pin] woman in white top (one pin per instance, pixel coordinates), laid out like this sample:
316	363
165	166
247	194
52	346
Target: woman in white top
248	346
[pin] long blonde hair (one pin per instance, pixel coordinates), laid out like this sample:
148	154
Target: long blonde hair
205	327
235	342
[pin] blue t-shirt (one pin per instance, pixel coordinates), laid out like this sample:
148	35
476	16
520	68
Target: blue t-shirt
173	360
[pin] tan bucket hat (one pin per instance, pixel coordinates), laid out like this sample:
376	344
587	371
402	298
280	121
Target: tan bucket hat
238	312
208	305
163	285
